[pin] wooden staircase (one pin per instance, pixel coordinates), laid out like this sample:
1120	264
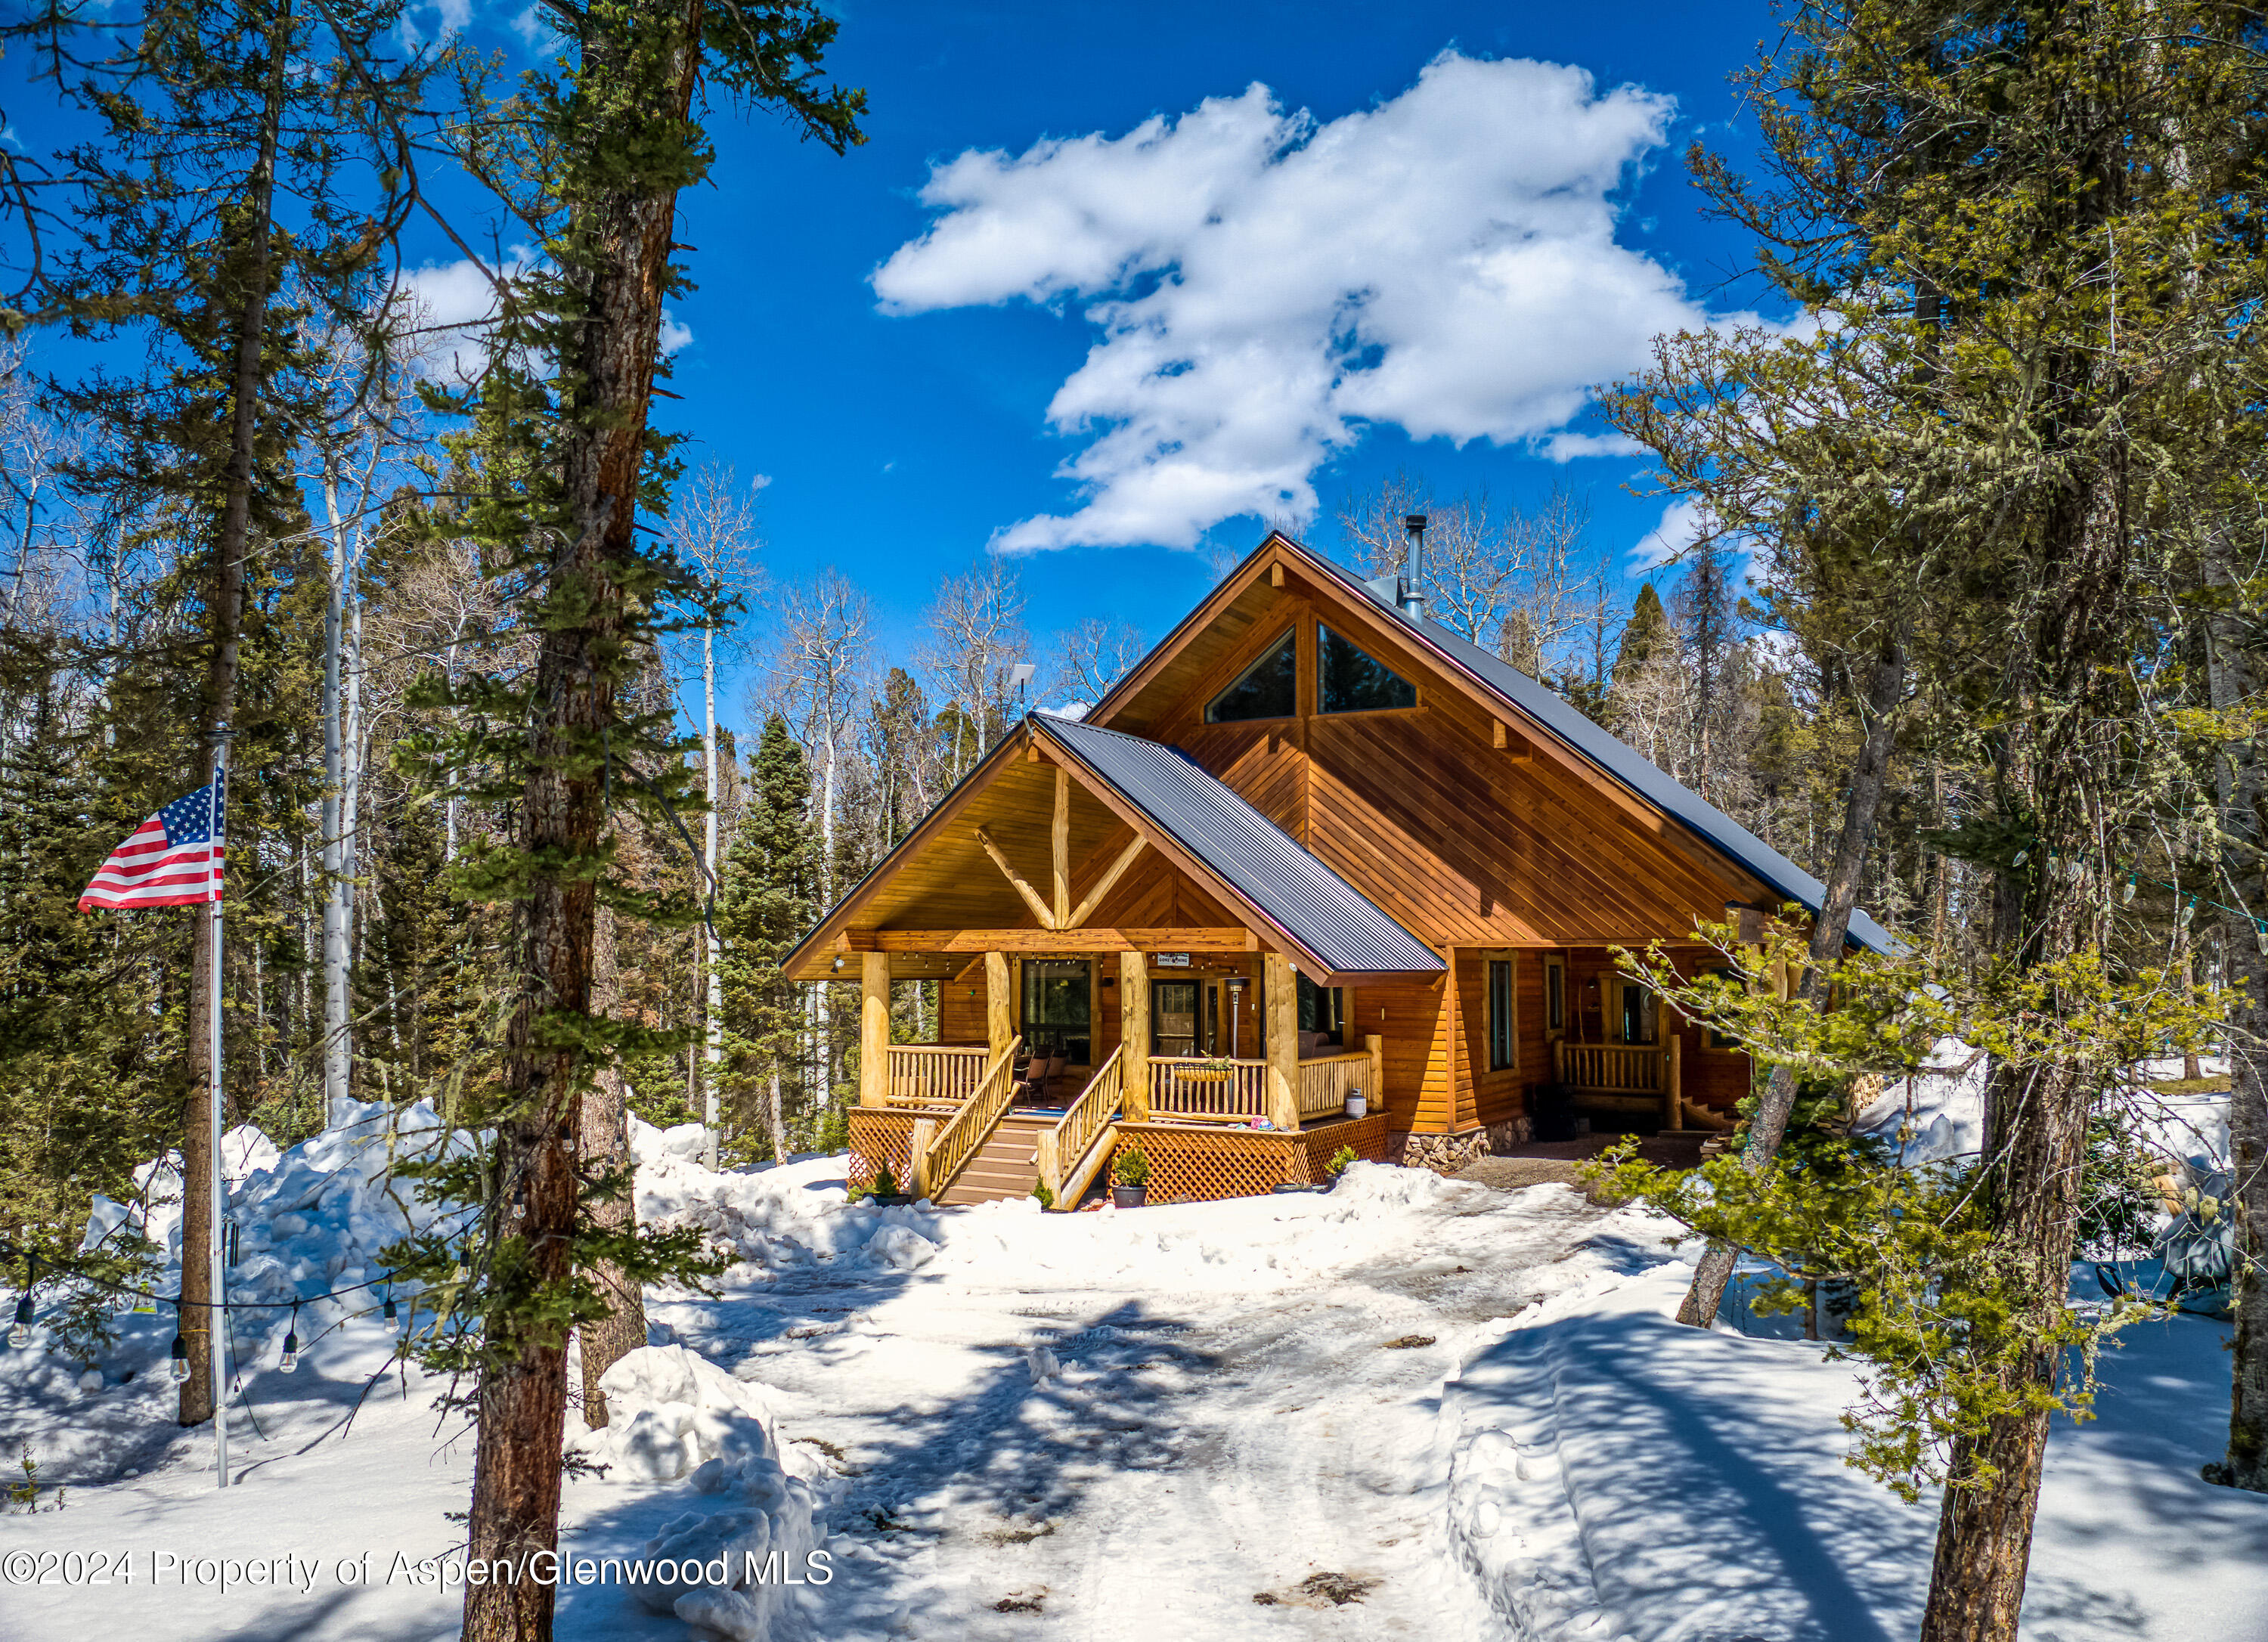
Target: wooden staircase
1007	1162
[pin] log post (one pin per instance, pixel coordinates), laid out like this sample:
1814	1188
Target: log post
1672	1069
999	1004
1376	1046
1059	848
1282	1032
875	1028
917	1158
1134	1035
1049	1166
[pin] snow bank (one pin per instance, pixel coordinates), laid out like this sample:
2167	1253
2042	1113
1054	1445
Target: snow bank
1610	1474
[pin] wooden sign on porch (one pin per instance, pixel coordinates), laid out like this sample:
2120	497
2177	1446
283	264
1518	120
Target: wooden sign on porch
1170	960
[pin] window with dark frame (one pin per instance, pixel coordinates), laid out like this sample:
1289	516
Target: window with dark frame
1058	1007
1323	1010
1720	1040
1356	682
1268	689
1555	996
1504	1041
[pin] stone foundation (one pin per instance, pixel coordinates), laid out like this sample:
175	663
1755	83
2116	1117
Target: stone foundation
1447	1154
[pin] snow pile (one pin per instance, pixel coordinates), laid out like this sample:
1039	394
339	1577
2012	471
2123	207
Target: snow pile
1936	1113
672	1414
1611	1474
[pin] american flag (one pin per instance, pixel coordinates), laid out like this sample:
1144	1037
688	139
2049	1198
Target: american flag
175	858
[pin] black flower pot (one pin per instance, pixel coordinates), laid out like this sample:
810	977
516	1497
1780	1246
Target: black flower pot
890	1199
1129	1197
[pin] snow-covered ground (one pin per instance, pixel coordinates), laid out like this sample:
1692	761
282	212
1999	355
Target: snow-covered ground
1413	1406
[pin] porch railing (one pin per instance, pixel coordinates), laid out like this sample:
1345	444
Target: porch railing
1207	1090
1628	1075
934	1074
1066	1146
1326	1081
938	1155
1612	1068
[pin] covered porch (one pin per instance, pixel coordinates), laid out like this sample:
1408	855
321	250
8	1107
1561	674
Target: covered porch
1258	1070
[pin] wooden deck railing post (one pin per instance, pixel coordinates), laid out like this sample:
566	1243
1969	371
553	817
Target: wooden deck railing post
875	1028
1375	1090
925	1132
1050	1166
1672	1094
1134	1034
1282	1004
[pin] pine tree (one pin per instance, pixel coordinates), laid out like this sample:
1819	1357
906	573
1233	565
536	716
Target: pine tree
1645	636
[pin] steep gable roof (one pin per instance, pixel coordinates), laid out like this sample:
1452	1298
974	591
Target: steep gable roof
1271	872
1533	703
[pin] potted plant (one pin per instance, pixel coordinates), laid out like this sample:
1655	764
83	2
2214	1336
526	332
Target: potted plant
886	1193
1335	1170
1129	1178
1206	1071
1356	1104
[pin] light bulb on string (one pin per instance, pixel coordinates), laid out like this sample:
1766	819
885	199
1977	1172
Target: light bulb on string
2126	895
289	1360
2023	856
180	1361
2189	911
393	1312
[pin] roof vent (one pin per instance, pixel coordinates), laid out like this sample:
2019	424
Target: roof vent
1413	575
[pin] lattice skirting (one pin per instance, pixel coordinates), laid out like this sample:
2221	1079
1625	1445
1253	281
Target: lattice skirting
878	1138
1188	1164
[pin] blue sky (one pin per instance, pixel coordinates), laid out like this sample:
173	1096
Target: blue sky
900	445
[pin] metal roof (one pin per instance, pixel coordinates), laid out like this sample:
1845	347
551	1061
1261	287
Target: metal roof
1546	708
1306	900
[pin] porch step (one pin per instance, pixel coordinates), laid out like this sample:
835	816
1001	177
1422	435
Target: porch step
1006	1164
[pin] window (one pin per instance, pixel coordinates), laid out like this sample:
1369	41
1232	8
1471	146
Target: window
1554	997
1057	997
1355	682
1503	1022
1266	689
1638	1011
1323	1013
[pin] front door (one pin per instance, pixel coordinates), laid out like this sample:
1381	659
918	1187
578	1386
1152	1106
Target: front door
1175	1031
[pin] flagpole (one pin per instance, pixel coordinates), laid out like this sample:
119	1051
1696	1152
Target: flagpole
217	1318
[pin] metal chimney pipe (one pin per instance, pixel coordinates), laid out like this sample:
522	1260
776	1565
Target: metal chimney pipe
1413	578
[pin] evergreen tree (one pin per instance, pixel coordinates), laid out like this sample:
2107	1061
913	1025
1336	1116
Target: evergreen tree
1645	636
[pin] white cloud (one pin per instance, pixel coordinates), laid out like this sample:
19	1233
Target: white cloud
1682	524
1265	283
1566	448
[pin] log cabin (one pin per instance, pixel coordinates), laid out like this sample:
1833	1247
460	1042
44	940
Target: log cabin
1319	873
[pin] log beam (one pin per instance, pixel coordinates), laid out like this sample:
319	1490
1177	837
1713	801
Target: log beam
1040	909
1102	938
999	1004
1060	849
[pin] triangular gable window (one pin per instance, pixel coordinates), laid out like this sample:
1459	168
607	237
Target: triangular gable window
1354	682
1266	689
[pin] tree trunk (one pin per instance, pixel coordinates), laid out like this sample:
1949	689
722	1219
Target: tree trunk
2035	1156
2238	774
775	1118
338	1054
605	1139
227	616
1885	686
648	57
711	953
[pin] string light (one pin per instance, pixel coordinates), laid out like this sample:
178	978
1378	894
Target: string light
2189	911
2023	856
180	1361
289	1360
2126	895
